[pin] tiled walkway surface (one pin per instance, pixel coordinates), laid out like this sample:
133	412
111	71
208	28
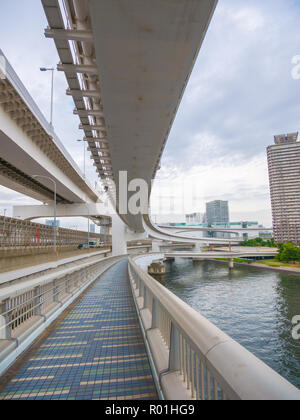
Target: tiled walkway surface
96	352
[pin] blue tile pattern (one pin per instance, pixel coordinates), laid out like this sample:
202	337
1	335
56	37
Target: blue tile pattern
95	352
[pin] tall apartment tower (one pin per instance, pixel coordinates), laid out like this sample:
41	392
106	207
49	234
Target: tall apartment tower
284	177
217	212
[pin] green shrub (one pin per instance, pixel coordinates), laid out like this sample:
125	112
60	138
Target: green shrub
288	252
259	242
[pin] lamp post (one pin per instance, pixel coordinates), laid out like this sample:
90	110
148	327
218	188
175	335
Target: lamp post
83	157
88	226
54	234
52	91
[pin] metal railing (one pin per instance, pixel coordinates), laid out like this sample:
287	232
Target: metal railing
22	233
21	304
207	363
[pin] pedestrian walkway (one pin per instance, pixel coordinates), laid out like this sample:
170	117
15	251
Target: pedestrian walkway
96	352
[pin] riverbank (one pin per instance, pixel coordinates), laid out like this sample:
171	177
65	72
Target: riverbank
282	269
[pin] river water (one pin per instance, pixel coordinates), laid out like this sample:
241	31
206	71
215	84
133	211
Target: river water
255	307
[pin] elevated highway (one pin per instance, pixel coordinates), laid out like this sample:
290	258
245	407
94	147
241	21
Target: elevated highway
158	233
183	229
130	68
30	147
222	254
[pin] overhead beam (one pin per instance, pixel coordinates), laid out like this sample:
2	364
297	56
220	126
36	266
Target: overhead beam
87	113
100	139
77	93
92	127
69	34
78	68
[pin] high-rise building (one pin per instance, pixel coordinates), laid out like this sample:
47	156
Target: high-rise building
284	177
217	212
92	228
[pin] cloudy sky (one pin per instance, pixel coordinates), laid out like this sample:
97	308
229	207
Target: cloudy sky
240	94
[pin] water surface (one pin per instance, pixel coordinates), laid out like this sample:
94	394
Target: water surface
255	307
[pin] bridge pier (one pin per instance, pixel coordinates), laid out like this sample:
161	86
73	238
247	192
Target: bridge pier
118	233
230	263
200	247
156	246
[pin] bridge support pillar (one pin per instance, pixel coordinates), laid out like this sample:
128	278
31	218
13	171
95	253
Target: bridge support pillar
199	247
231	263
156	246
118	232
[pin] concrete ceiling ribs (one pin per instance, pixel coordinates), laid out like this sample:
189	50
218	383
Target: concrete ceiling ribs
32	147
137	56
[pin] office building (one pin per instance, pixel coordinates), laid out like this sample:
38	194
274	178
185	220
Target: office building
217	212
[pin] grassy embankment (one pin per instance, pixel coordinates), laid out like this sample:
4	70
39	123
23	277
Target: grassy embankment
274	263
236	260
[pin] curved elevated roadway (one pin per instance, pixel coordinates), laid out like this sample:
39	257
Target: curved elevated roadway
30	147
132	63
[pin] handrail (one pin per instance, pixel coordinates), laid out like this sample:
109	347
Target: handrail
209	363
23	301
16	233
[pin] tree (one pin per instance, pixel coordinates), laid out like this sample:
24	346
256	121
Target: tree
288	252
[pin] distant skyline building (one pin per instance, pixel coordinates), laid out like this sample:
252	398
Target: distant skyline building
217	212
284	179
194	218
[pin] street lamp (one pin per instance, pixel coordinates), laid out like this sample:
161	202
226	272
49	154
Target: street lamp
83	157
52	88
54	234
88	225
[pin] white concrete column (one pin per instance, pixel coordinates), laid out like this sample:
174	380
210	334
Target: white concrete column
199	247
118	230
156	246
2	328
5	331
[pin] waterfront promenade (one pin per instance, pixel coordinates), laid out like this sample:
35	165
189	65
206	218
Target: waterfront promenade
95	352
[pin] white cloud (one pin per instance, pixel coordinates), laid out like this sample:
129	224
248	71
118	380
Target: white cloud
249	19
243	183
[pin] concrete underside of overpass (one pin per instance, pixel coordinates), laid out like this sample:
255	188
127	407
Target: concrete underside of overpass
145	59
29	146
158	51
135	58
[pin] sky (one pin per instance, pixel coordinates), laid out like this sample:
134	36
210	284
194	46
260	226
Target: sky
240	94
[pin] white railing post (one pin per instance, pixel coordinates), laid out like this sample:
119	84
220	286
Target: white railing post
55	294
67	283
5	332
174	353
37	301
145	296
154	323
